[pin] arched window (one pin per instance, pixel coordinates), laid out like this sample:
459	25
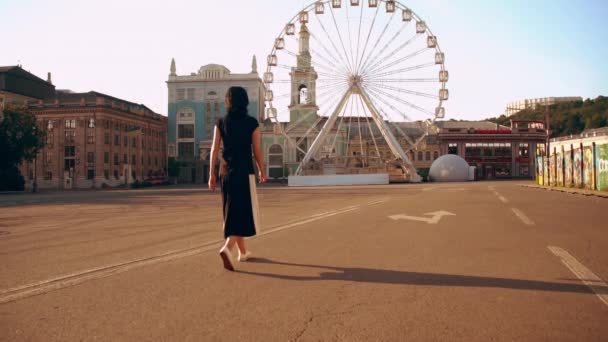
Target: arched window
428	155
303	94
435	155
419	155
275	161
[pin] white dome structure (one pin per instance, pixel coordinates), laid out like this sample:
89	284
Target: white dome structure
449	168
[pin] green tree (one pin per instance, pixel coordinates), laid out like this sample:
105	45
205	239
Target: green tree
20	140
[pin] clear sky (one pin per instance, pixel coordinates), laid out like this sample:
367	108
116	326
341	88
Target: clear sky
496	51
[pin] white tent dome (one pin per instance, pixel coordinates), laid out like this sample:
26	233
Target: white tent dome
449	168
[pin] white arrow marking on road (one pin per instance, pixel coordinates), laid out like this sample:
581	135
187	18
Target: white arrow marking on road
436	216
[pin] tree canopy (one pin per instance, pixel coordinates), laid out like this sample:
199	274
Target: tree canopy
20	138
566	118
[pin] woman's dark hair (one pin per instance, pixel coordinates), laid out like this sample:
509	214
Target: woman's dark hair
237	101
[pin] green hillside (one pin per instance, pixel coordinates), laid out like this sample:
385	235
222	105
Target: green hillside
566	118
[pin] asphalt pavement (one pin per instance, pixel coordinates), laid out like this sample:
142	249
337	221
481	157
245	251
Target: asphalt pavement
480	261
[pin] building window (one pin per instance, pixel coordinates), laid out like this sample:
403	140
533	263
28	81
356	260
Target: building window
524	150
116	160
116	174
275	161
181	94
428	155
90	157
70	123
106	138
116	140
90	174
70	151
412	155
125	141
143	142
185	131
453	148
185	150
70	136
90	136
91	123
48	175
106	174
171	150
155	161
435	155
134	142
419	155
125	160
106	124
190	94
49	157
106	157
134	159
117	126
50	137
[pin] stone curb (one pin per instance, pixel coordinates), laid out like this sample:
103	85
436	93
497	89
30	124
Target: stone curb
582	192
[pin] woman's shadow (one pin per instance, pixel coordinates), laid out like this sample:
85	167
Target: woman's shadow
378	276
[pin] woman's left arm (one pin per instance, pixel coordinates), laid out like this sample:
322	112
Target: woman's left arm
215	148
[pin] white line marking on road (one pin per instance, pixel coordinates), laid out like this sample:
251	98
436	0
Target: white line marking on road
491	188
502	199
437	215
520	214
40	287
428	189
595	283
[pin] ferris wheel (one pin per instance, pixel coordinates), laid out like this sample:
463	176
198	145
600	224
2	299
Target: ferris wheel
352	71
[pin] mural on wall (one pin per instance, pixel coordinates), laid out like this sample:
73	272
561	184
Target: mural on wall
560	169
552	170
568	168
588	180
601	157
578	176
539	170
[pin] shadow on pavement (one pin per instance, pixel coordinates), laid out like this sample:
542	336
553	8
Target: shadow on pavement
368	275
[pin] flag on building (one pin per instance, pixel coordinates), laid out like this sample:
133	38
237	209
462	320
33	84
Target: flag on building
134	131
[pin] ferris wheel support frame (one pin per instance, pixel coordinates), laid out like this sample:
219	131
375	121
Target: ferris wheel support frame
388	136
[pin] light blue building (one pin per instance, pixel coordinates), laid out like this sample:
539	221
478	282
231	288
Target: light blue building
195	103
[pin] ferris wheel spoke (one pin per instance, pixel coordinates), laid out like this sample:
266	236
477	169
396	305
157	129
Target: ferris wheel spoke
343	114
398	99
350	39
378	98
386	26
407	91
356	56
341	40
403	80
339	54
371	132
399	48
399	71
331	57
395	126
369	33
381	65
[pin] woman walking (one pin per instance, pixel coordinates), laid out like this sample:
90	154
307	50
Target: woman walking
239	132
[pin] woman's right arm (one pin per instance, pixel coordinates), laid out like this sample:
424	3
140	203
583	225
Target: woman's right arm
257	151
217	137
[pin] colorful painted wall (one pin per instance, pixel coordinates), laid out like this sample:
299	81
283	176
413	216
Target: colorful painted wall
580	162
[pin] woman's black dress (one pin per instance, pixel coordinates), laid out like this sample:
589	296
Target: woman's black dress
235	168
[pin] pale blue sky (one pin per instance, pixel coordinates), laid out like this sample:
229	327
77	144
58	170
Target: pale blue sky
496	51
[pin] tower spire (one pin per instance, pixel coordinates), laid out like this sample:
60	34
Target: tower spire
254	65
172	67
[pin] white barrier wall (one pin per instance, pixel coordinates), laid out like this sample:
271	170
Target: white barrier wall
325	180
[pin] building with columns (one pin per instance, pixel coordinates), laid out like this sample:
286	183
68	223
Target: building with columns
196	101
